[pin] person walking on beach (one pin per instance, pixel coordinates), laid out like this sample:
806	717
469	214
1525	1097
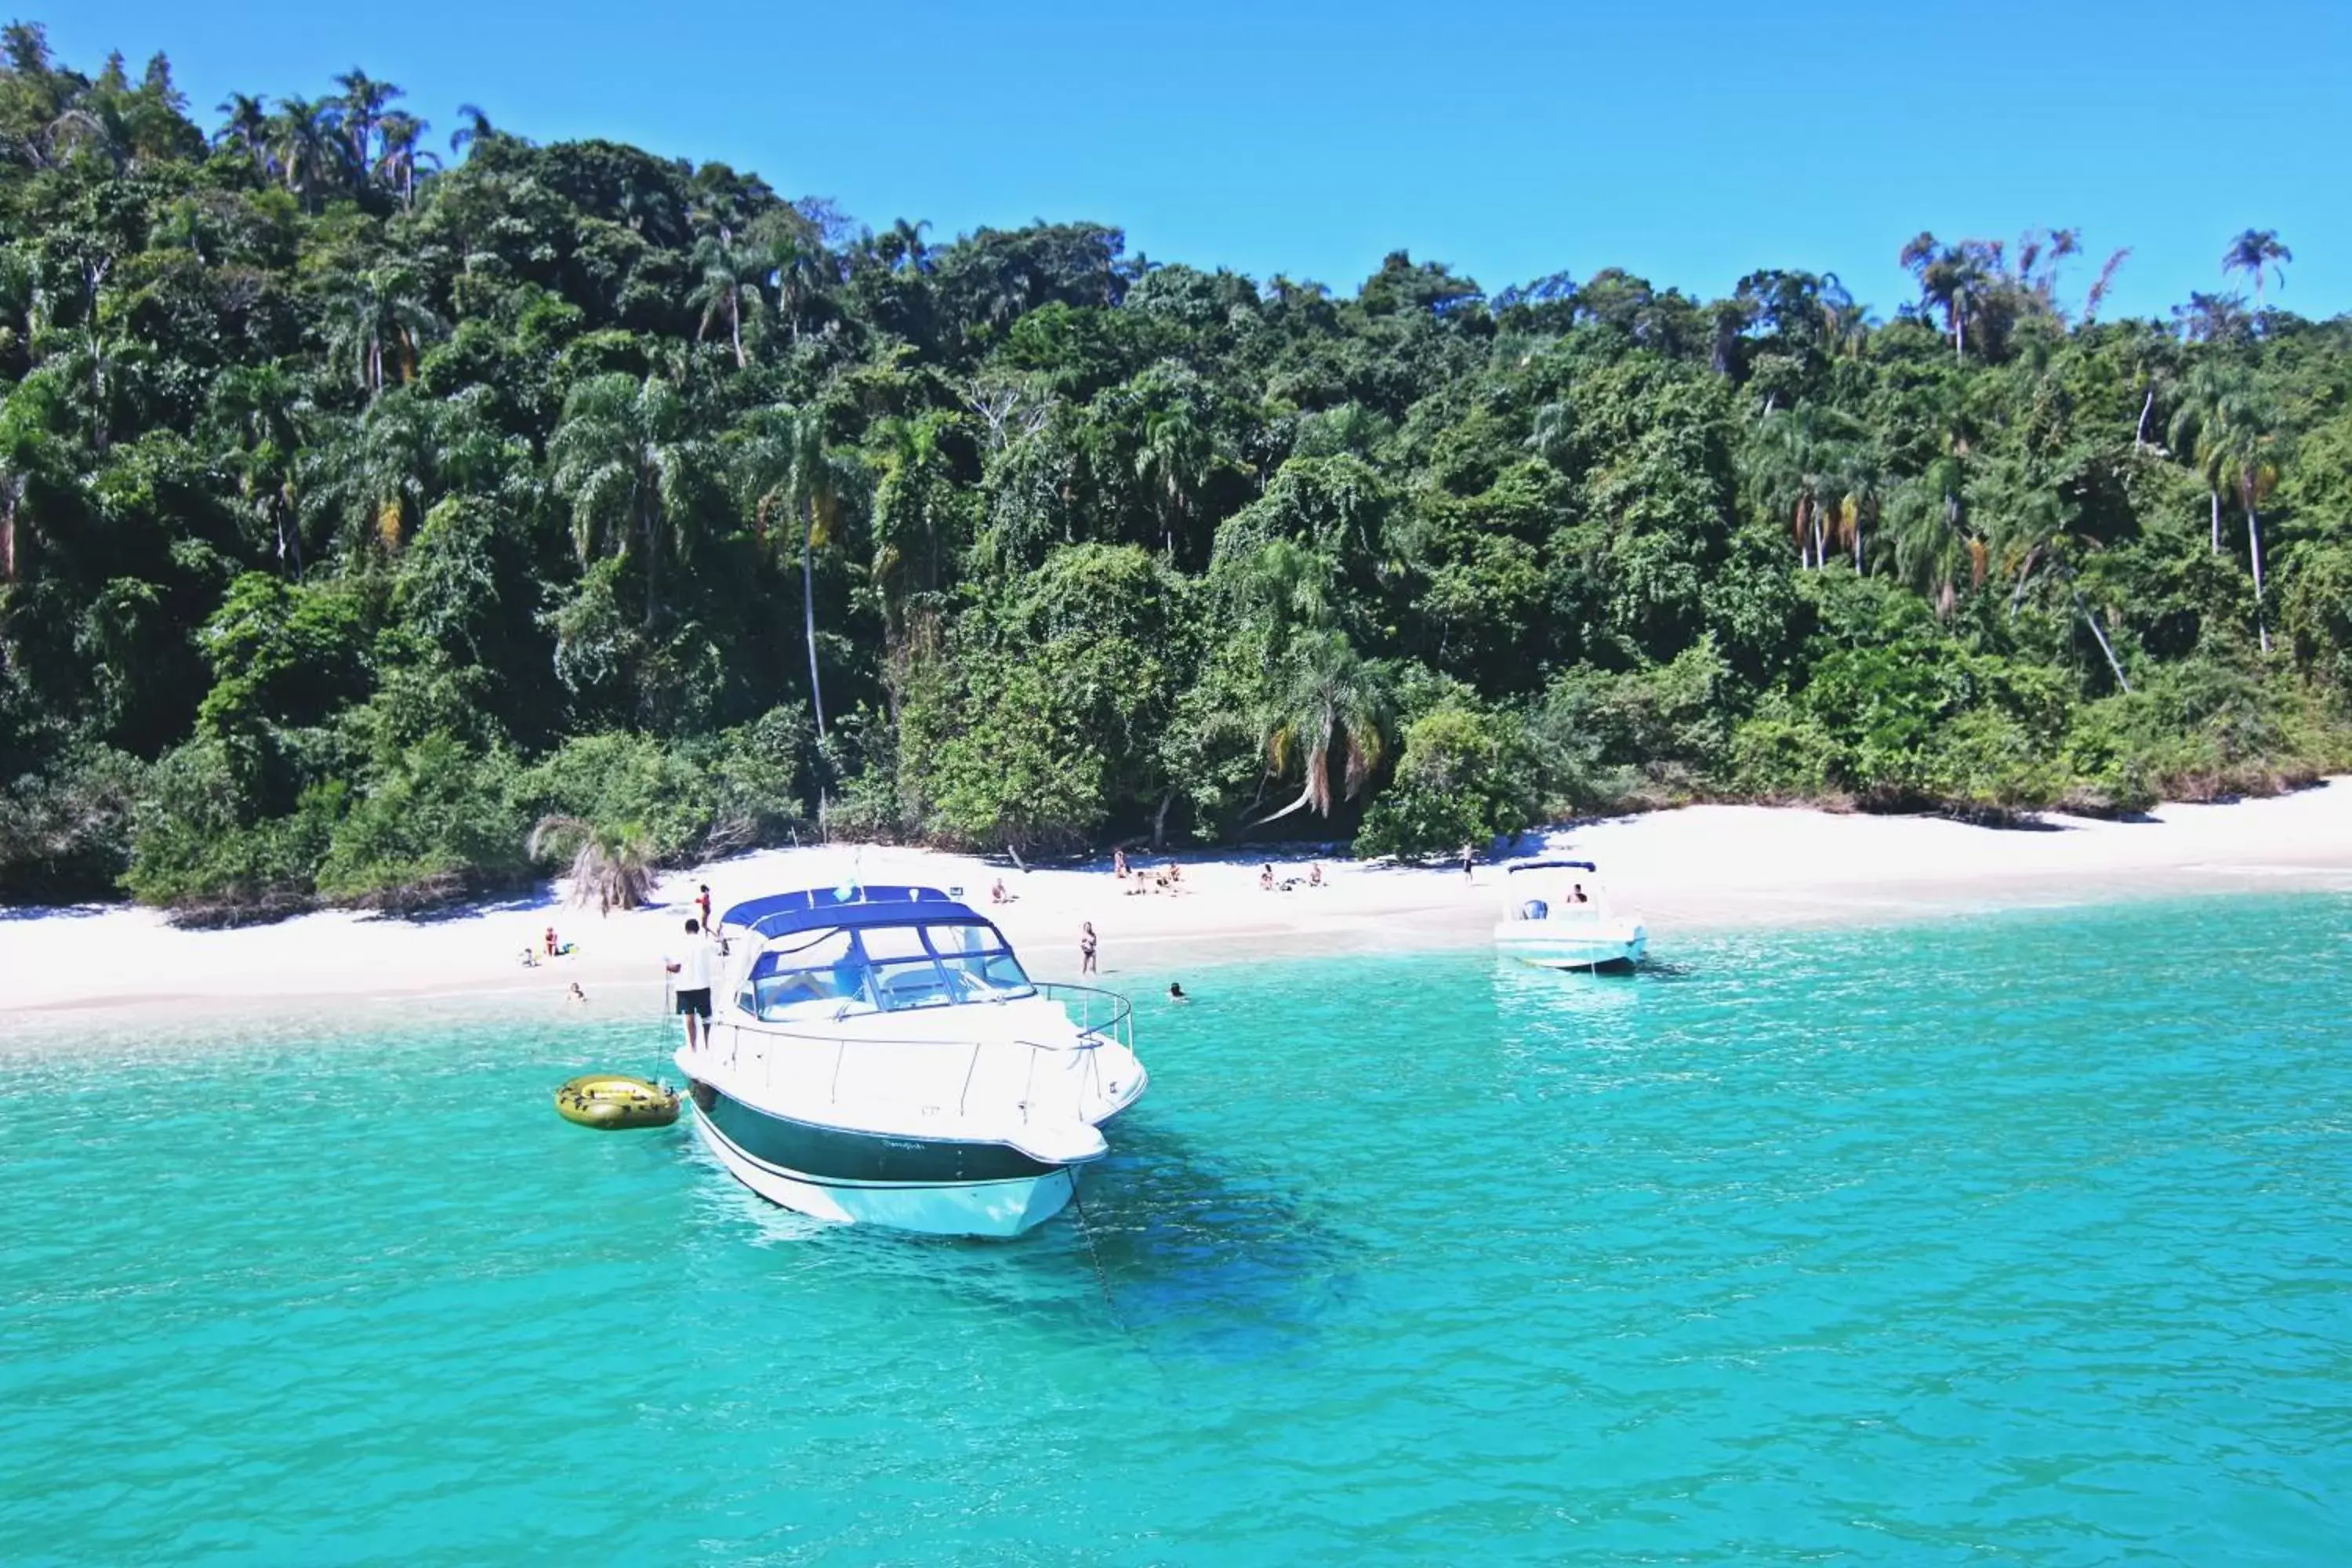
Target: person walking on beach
1469	860
693	971
702	902
1087	948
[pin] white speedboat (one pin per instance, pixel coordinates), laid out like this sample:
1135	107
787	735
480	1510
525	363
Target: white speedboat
1562	920
878	1055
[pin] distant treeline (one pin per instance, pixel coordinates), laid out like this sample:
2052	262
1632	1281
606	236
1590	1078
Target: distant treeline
362	508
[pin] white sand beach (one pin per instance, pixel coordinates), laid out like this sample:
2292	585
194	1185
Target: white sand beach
1703	867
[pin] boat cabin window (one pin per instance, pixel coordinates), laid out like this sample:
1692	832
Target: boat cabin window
821	975
975	960
882	968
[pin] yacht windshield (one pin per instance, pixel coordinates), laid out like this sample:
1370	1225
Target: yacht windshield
888	969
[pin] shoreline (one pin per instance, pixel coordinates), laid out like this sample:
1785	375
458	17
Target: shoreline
1698	870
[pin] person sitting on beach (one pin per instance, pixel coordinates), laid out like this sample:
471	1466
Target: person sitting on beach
1163	881
530	958
1314	874
1266	876
1175	877
1118	864
997	895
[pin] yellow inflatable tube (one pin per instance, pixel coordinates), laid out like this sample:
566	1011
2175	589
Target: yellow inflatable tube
609	1100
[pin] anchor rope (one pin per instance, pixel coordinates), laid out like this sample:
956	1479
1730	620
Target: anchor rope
1102	1280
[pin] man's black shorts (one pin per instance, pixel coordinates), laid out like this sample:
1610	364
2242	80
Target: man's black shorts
697	1001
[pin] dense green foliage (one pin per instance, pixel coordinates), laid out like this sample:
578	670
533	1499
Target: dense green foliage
359	511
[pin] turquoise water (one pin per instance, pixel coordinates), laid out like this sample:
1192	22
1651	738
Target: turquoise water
1995	1240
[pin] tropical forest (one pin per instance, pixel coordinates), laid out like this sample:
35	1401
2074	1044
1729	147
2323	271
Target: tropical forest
392	511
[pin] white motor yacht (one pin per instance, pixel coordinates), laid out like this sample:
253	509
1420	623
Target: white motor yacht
878	1055
1561	918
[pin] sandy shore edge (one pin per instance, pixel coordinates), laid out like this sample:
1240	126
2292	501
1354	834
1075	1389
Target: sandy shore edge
1698	870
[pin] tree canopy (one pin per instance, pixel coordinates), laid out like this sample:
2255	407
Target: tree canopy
363	505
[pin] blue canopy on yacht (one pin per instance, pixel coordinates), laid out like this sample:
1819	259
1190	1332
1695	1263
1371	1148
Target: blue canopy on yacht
1553	866
814	909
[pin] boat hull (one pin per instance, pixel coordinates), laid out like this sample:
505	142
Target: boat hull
939	1187
1564	950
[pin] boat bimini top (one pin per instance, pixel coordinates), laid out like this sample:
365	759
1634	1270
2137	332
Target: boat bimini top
832	952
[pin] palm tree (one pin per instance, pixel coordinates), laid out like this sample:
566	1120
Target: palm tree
1325	700
1860	481
371	481
2245	463
902	245
624	458
781	251
611	863
1553	430
1794	464
1933	544
364	102
375	312
303	144
474	129
32	463
1951	278
93	123
2210	403
245	126
255	405
2040	530
2258	251
786	465
1174	459
396	165
911	505
729	281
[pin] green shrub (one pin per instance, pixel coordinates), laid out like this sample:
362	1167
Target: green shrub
1464	776
436	823
1781	755
1606	739
65	833
194	853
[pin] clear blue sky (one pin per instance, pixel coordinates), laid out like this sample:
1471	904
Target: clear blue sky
1689	141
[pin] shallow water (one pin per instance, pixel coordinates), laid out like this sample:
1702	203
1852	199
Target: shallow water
1993	1239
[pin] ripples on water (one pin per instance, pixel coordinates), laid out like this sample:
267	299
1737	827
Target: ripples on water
1994	1239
